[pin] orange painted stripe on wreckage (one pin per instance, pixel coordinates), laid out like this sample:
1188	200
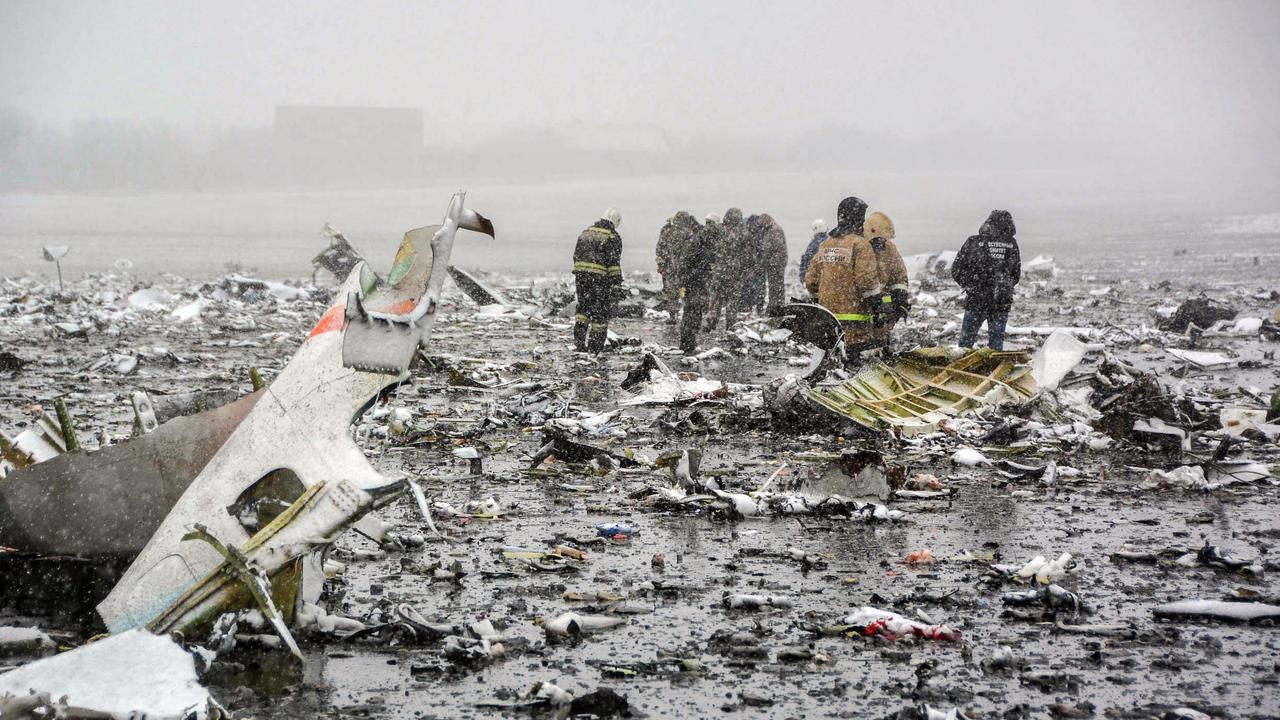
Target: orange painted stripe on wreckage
335	317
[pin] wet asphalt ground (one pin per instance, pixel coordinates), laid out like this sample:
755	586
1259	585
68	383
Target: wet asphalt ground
681	653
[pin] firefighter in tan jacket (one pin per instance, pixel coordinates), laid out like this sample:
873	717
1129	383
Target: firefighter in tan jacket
846	279
894	298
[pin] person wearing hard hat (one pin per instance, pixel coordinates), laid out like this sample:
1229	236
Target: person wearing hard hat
597	274
820	229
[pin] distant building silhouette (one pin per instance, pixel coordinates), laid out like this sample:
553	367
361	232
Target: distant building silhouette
333	145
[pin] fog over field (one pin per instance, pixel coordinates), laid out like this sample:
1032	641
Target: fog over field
182	136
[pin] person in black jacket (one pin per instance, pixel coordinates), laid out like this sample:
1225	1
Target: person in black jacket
597	273
987	268
819	234
697	258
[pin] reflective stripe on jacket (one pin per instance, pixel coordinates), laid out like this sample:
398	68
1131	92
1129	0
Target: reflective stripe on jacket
599	252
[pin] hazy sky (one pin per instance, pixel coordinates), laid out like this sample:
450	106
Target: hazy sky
1167	73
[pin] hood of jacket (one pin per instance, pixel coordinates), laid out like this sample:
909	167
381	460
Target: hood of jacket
850	217
999	224
879	225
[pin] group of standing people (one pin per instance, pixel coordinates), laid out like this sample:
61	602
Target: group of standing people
721	268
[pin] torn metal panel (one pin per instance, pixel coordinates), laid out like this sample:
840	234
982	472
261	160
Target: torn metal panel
475	289
144	414
339	258
134	675
859	475
811	323
1060	353
1201	359
921	388
816	325
168	407
109	502
38	443
300	425
929	264
1161	436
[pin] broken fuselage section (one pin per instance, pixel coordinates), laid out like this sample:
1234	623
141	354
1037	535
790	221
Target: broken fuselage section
269	479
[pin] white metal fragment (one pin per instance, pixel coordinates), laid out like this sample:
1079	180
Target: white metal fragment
134	674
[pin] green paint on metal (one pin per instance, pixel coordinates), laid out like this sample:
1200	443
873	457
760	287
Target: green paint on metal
68	429
368	280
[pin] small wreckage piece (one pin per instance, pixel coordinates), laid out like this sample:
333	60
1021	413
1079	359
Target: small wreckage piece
339	258
269	478
476	289
817	326
131	675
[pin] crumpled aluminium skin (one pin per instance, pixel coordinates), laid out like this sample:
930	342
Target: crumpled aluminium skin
300	425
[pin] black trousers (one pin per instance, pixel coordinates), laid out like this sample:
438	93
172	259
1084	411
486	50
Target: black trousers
695	304
595	305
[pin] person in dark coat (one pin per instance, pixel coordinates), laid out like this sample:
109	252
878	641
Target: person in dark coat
988	267
753	278
819	234
671	241
734	260
696	260
773	262
597	274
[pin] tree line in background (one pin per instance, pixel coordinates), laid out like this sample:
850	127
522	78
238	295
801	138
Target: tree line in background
122	156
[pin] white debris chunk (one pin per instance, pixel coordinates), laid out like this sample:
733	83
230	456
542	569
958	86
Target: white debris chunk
552	694
23	640
969	458
1032	567
1051	572
1247	325
1041	266
152	298
1233	471
1190	477
1218	609
287	293
1194	477
574	624
189	312
1059	354
134	674
1238	420
755	602
1200	358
